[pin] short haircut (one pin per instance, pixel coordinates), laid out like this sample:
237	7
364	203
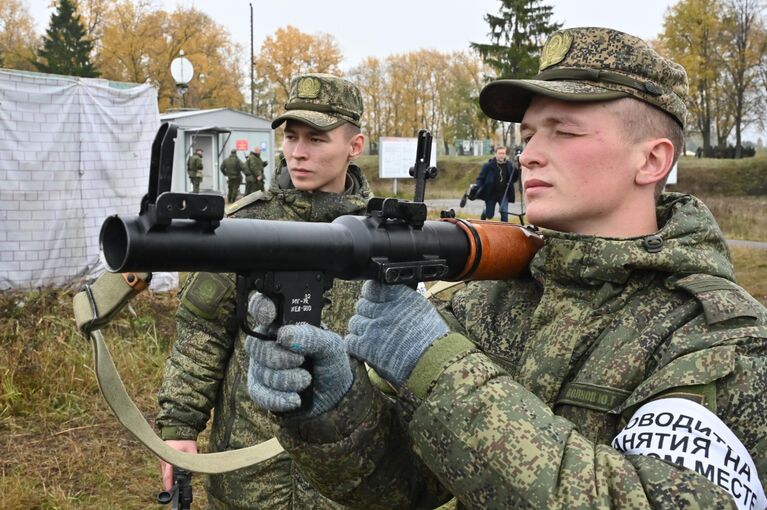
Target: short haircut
351	130
642	121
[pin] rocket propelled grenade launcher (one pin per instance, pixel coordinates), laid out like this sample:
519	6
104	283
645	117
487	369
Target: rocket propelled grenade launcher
295	262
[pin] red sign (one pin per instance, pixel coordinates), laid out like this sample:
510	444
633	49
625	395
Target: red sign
241	145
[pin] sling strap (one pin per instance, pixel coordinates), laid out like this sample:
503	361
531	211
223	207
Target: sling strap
94	307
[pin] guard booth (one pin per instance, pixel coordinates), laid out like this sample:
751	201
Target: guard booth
217	132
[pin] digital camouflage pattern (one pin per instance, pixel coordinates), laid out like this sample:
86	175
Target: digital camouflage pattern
208	365
593	64
323	101
524	416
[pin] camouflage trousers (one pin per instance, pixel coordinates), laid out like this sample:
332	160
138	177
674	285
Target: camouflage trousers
195	184
234	189
253	185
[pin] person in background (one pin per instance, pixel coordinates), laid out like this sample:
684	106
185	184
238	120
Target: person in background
233	168
207	371
194	169
495	184
254	165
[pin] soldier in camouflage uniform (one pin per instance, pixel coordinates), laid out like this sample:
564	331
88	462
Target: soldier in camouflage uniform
627	369
254	181
194	170
233	168
207	368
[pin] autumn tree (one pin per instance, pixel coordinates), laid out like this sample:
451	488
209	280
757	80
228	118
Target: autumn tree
92	14
18	41
291	52
407	92
131	41
691	36
720	43
371	78
66	49
460	99
742	25
139	42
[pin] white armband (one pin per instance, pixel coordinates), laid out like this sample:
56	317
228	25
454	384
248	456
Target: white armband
686	433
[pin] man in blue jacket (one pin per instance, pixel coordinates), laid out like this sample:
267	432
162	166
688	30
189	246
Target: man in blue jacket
495	184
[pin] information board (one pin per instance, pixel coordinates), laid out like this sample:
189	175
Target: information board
397	155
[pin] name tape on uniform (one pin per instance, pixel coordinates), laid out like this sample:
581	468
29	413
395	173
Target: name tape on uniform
685	433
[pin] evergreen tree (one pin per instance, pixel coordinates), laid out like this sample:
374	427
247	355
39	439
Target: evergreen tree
517	35
65	49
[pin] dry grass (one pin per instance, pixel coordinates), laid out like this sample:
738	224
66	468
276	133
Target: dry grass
743	217
751	271
62	447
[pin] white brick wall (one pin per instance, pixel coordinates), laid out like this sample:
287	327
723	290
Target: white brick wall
72	152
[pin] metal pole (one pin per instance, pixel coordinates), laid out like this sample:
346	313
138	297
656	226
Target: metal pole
252	80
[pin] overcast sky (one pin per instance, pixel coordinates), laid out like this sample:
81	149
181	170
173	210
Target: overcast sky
395	26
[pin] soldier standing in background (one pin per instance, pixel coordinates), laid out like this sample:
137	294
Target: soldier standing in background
254	181
194	170
206	372
626	369
233	168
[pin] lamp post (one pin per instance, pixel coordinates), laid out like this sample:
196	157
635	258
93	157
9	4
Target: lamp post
182	71
252	82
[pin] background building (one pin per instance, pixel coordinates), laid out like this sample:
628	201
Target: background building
217	131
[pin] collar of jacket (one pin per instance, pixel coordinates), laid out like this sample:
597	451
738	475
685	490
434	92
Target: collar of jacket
324	206
688	242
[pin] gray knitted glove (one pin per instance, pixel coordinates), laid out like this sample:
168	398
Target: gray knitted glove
393	327
274	375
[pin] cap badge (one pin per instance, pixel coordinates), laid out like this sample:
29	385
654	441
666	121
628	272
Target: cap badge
555	49
309	88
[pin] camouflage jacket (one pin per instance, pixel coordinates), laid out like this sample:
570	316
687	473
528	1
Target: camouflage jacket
194	166
233	167
254	167
207	368
518	406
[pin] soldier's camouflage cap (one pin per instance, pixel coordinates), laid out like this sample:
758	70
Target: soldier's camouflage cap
323	101
593	64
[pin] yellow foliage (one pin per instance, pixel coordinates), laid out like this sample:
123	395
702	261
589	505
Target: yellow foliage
18	40
291	52
423	89
139	42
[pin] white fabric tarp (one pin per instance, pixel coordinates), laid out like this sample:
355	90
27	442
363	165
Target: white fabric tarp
72	151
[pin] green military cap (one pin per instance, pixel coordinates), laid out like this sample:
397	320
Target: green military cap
323	101
593	64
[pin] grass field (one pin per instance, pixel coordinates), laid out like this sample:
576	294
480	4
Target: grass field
63	449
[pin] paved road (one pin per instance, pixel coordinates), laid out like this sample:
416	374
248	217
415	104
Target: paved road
475	208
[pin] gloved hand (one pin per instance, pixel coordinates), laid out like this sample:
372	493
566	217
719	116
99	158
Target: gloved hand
393	327
274	375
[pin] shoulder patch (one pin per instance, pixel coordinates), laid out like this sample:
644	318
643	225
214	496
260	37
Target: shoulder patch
203	295
245	201
721	299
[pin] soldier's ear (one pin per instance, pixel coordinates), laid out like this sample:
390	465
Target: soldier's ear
356	146
657	160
